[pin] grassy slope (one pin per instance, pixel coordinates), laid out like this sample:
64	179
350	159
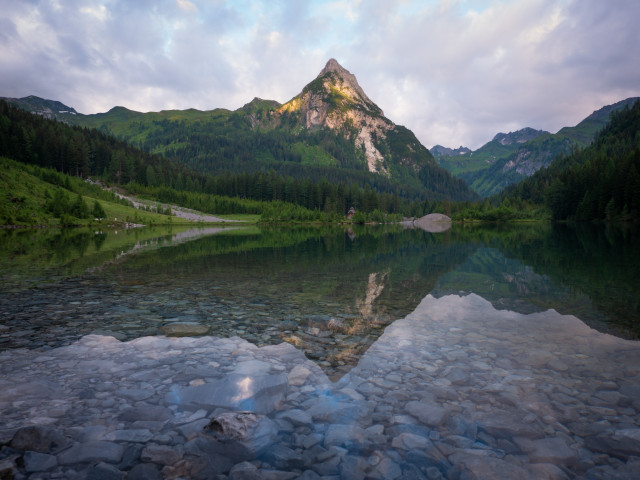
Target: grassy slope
23	198
136	127
480	159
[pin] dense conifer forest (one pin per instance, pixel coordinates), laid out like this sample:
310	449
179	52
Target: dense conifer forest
85	152
600	182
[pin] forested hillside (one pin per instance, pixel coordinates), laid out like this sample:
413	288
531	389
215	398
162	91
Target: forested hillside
84	152
77	151
331	131
498	164
600	182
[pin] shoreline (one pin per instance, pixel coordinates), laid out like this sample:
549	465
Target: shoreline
435	395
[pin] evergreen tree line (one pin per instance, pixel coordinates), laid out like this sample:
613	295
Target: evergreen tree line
600	182
83	152
76	151
234	143
62	206
240	151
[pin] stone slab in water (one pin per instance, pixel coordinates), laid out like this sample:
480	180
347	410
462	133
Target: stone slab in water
185	329
39	438
457	389
91	452
235	392
239	435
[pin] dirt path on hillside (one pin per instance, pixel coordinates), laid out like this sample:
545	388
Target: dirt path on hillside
176	210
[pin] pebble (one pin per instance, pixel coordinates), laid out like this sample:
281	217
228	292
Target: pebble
437	408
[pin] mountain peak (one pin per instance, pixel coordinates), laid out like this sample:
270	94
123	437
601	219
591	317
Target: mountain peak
440	151
41	106
260	104
333	66
335	100
343	82
519	136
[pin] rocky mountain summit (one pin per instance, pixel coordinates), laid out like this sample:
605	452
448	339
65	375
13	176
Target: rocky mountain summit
440	151
331	131
519	136
336	101
51	109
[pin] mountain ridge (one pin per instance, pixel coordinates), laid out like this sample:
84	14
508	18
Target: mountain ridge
334	100
331	124
519	136
597	183
440	151
331	129
51	109
492	167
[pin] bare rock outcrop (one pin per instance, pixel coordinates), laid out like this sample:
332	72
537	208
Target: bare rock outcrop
336	101
434	223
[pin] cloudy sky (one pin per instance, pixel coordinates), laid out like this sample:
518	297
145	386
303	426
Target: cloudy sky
455	72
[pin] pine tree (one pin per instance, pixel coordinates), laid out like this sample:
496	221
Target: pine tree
98	211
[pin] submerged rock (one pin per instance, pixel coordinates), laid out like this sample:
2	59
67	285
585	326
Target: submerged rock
240	435
39	438
185	329
93	452
38	462
448	392
624	442
428	414
298	376
258	394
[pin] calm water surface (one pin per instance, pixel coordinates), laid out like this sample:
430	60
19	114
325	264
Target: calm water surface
329	292
483	353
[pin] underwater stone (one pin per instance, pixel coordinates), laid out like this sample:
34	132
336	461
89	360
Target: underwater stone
234	392
239	435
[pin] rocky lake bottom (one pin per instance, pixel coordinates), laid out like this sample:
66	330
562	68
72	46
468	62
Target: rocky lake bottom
455	390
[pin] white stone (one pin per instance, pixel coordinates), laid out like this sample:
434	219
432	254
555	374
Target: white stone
298	417
298	376
410	441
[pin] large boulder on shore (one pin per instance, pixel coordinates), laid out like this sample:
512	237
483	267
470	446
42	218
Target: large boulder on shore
434	223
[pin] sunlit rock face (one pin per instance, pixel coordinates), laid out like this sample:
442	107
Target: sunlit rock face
335	100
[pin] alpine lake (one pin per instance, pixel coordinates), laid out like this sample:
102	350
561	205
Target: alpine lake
372	352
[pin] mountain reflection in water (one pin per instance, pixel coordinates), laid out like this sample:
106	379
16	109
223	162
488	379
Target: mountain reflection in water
329	292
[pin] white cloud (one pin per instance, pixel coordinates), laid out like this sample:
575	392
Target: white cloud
455	72
99	12
187	6
509	65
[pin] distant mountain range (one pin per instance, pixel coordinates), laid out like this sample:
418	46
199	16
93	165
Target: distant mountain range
511	157
440	151
600	182
332	130
50	109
